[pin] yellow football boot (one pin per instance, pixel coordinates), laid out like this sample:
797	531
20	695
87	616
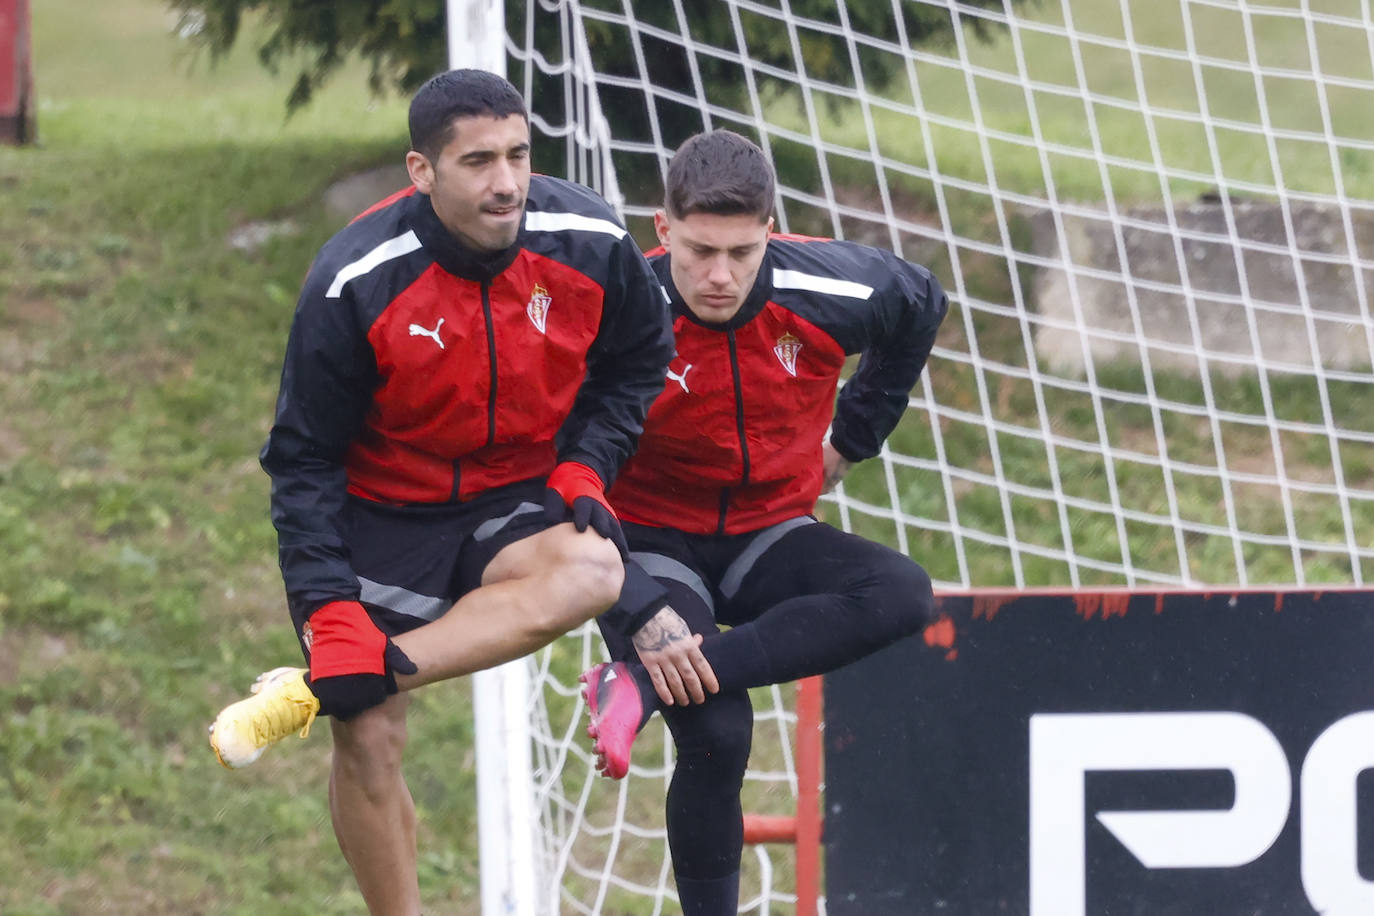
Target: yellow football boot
281	705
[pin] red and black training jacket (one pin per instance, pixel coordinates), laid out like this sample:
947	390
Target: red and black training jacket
734	442
418	371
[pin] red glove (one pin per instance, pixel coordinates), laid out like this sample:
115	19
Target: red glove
576	488
352	663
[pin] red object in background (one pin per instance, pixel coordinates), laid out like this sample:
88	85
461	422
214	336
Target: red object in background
804	829
16	73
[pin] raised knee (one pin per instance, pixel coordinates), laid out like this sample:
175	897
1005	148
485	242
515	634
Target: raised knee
906	603
594	572
587	576
920	596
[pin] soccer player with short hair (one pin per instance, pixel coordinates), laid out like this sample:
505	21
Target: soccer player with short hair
470	363
717	502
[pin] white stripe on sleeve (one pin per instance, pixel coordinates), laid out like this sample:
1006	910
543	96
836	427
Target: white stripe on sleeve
795	279
540	221
391	248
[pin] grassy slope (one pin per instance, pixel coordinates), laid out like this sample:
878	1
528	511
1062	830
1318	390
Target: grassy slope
138	362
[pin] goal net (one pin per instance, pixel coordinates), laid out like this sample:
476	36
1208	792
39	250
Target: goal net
1155	220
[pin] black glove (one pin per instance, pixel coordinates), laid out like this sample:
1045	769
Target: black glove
344	696
575	488
352	663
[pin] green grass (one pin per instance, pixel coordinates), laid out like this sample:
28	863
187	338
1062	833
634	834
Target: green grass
138	361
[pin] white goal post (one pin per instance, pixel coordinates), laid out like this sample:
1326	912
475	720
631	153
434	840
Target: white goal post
1155	220
506	821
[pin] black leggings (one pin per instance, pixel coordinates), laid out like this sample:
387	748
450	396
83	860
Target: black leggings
811	601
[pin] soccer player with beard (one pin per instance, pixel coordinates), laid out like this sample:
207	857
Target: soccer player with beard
470	363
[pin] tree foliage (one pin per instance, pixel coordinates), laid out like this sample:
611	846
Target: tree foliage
404	41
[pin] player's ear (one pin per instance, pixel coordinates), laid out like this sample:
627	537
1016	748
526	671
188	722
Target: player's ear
421	171
661	227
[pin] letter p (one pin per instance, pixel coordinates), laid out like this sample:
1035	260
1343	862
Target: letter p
1065	747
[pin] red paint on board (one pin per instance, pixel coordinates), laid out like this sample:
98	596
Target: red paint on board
987	606
940	633
1091	604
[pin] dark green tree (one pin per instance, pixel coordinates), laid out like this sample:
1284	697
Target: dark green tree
404	41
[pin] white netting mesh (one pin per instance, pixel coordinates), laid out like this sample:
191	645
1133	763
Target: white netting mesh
601	843
1155	219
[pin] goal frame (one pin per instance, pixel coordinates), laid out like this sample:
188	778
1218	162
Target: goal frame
477	38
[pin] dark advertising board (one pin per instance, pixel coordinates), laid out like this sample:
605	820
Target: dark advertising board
1108	754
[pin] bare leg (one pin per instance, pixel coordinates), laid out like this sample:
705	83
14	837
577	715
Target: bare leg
533	591
373	813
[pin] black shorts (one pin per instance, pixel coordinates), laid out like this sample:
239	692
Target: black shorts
414	562
731	579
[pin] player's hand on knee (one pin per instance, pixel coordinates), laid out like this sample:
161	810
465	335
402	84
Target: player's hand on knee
575	493
671	653
352	663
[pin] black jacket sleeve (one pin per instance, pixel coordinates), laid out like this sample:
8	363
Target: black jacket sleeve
328	376
626	367
908	306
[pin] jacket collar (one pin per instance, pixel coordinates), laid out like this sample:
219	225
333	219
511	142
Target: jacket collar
753	303
451	254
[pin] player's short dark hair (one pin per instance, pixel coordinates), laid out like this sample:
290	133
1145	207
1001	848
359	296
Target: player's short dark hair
721	173
458	94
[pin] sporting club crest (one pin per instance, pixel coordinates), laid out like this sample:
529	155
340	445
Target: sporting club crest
538	307
786	350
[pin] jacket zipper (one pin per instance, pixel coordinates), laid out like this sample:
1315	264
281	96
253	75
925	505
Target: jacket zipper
491	401
739	428
491	358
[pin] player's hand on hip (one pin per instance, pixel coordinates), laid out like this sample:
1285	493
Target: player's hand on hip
836	466
352	663
671	653
575	493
